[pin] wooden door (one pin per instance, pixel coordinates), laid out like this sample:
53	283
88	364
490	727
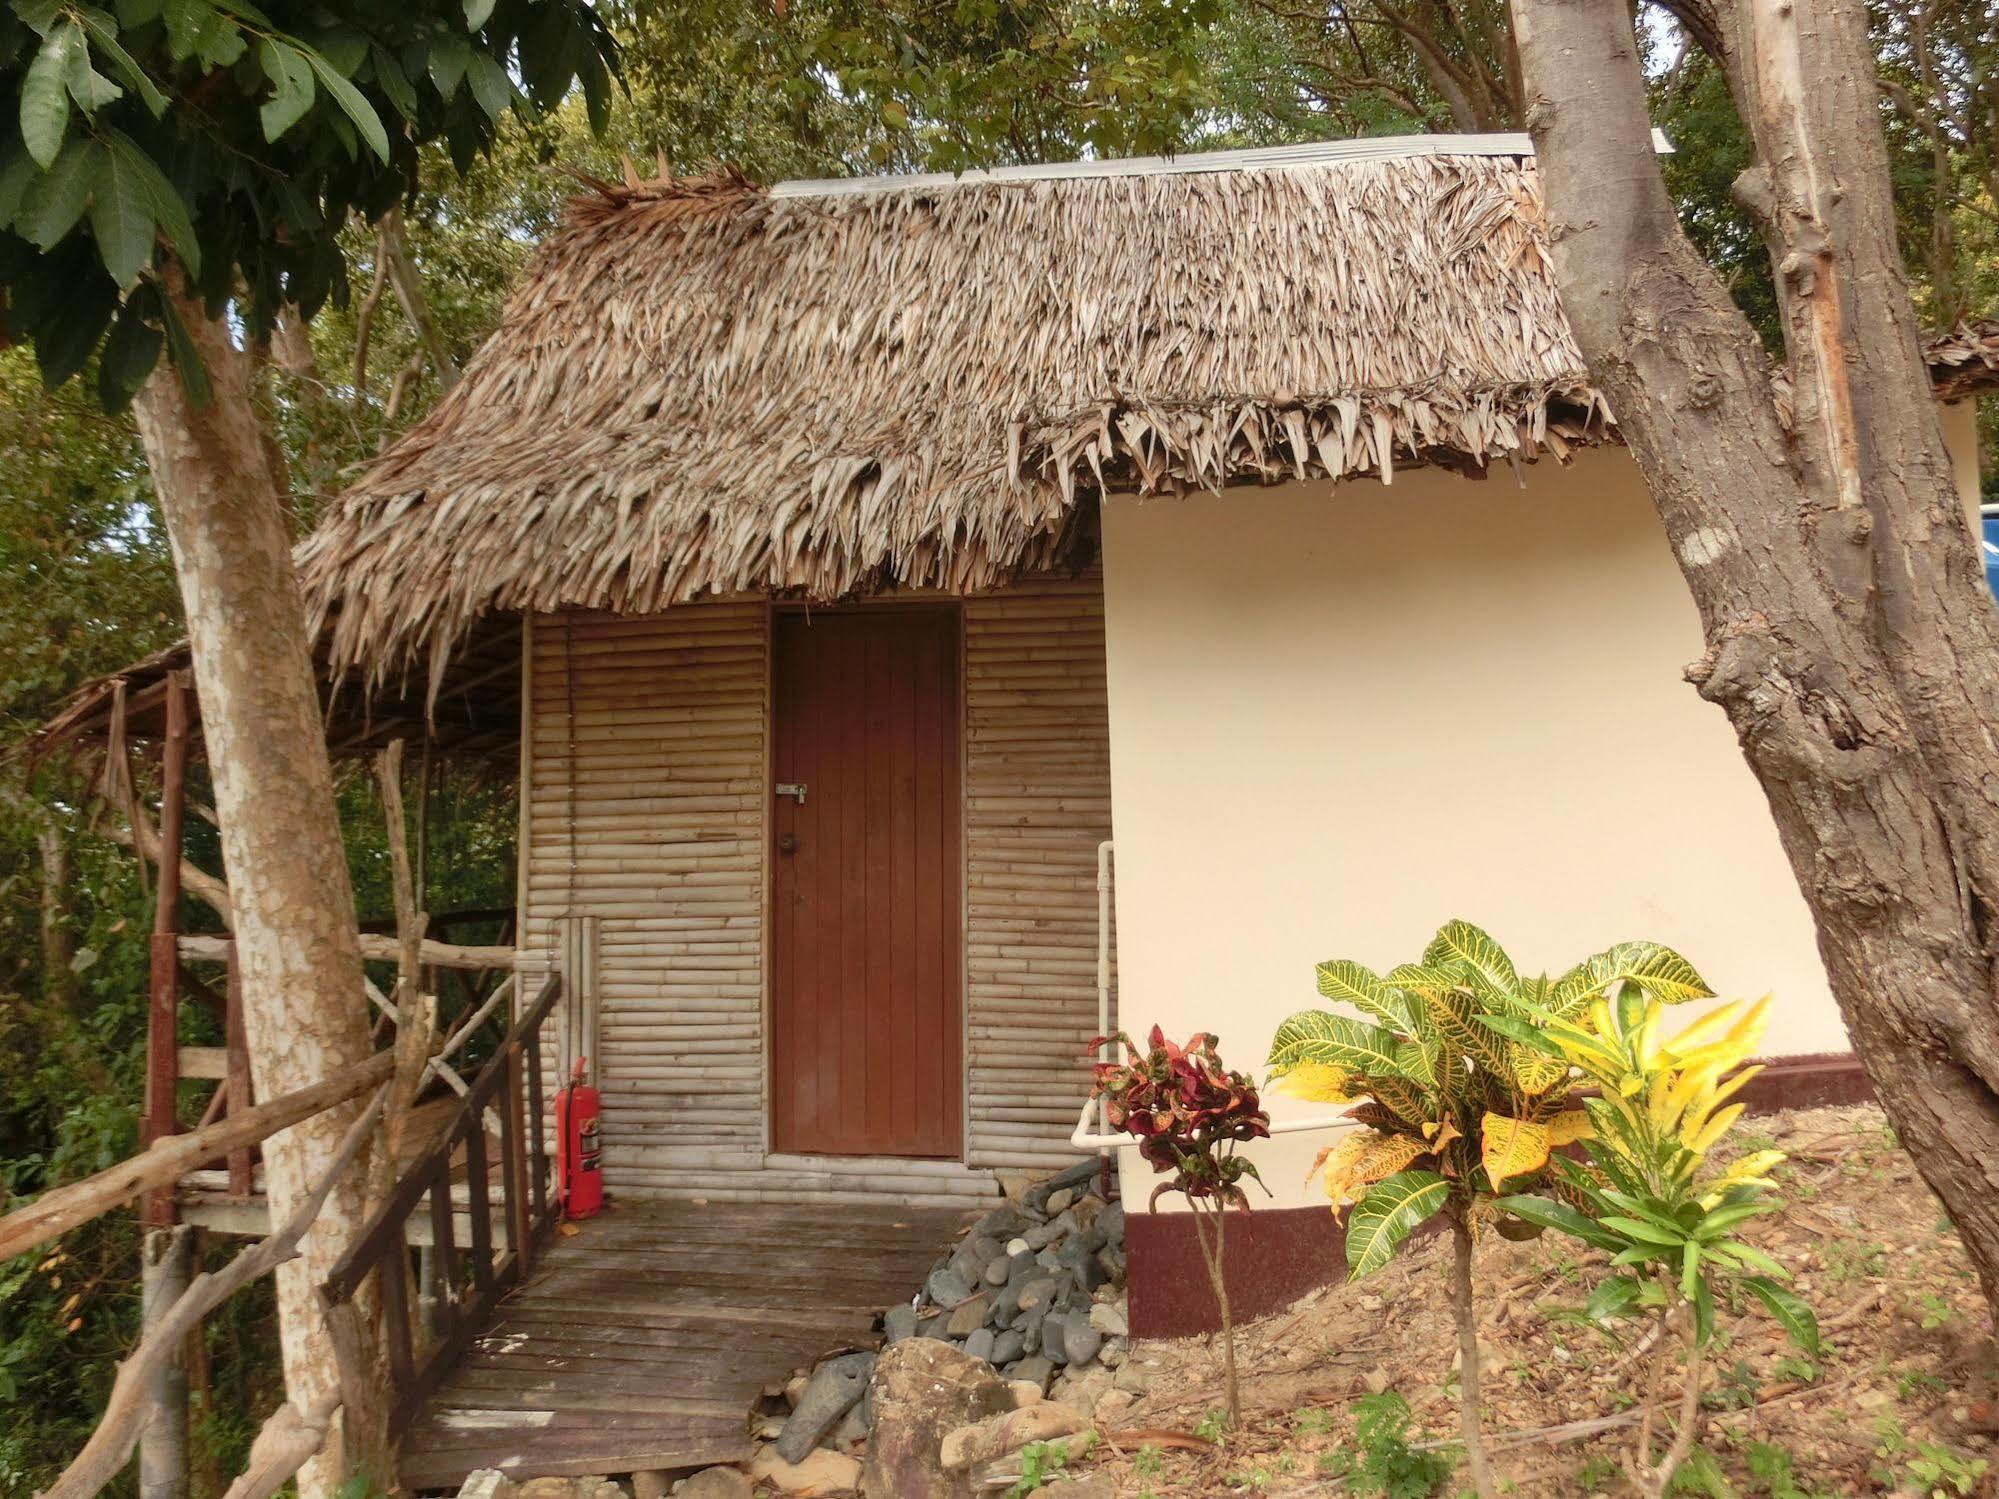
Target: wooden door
866	1040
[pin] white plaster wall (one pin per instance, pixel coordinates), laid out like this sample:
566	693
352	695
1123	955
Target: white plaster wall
1340	716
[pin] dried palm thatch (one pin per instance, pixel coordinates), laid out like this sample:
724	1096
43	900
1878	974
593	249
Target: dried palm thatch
706	388
1965	360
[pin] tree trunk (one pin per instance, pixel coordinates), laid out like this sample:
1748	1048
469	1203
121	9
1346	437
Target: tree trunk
1471	1400
1849	636
220	495
58	950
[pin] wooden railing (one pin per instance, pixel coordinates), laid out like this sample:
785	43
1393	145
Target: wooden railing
466	1281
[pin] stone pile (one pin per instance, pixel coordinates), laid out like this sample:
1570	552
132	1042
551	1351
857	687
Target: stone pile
1034	1289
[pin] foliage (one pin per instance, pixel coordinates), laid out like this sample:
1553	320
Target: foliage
1379	1459
242	139
1188	1113
1456	1095
1645	1196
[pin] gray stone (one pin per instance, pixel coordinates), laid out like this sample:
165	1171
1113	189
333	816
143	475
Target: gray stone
712	1483
1082	1486
836	1386
921	1392
997	1270
1001	1223
980	1344
1034	1370
1057	1228
1008	1346
1058	1201
1134	1377
1109	1318
966	1318
547	1488
1111	1222
487	1483
852	1430
1031	1327
899	1322
1036	1294
1080	1340
969	1259
657	1483
1047	1261
946	1287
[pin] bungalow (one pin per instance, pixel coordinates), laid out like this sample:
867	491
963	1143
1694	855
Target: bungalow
900	578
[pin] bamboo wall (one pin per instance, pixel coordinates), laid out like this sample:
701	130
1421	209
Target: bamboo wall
643	809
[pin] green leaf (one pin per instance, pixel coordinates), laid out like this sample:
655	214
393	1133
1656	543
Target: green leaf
1750	1256
1387	1215
162	201
1797	1319
121	219
395	82
1561	1217
14	180
1658	970
1335	1041
290	76
104	32
128	356
353	105
45	95
1614	1298
90	89
490	85
1645	1233
64	341
1461	942
1690	1268
448	61
478	13
1347	982
185	357
133	14
55	200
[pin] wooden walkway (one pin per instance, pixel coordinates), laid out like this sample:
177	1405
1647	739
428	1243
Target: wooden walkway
643	1340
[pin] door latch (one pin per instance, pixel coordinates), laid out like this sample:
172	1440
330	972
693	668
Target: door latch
793	789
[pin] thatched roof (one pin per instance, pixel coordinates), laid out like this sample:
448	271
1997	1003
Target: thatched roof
705	387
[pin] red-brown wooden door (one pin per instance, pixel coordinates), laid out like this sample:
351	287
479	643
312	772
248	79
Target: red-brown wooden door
866	1048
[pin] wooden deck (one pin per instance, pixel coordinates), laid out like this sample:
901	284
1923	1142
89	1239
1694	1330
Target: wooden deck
643	1340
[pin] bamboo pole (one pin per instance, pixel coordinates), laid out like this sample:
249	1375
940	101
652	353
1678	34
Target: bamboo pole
62	1208
206	948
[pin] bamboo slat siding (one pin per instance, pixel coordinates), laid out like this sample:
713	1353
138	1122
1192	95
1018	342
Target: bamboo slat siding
644	805
1037	804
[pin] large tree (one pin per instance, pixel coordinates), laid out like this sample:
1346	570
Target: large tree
1850	637
178	178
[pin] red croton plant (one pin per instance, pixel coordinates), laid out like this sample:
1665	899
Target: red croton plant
1189	1113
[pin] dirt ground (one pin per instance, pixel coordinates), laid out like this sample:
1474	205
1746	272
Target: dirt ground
1901	1403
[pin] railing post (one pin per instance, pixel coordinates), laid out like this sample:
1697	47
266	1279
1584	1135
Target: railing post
163	992
166	1266
242	1180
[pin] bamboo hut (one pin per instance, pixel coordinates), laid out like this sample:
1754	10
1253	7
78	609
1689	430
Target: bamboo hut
847	563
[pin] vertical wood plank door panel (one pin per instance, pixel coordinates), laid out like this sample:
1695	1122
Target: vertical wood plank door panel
866	918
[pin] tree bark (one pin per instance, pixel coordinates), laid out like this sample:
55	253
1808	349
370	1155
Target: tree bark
1471	1411
58	949
220	494
1849	636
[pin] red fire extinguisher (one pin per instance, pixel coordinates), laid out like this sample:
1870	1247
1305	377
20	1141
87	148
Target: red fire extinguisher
579	1165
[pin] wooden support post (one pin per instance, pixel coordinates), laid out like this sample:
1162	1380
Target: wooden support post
242	1179
163	992
166	1266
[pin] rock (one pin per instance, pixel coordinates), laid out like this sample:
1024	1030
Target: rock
821	1472
1016	1247
794	1389
931	1326
1110	1223
1113	1404
1035	1370
709	1483
967	1317
979	1344
1114	1352
970	1258
833	1391
489	1483
1377	1380
1025	1391
997	1270
1080	1338
1053	1231
1001	1223
658	1483
852	1430
899	1322
1036	1294
1032	1327
599	1488
1072	1177
547	1488
1058	1202
1081	1392
1008	1346
1133	1377
946	1287
996	1436
1108	1318
922	1390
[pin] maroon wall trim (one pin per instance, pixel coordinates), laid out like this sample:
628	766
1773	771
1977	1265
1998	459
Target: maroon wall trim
1276	1255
